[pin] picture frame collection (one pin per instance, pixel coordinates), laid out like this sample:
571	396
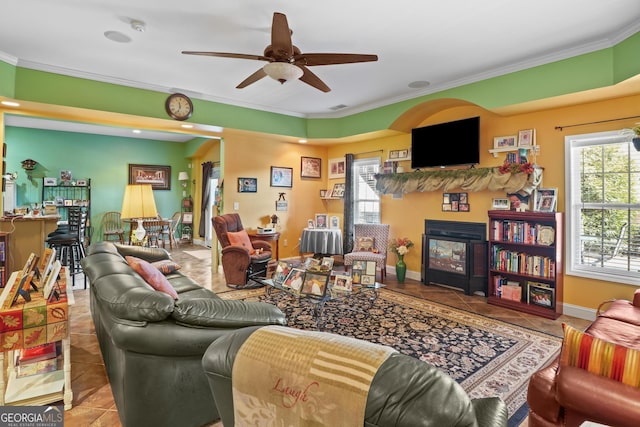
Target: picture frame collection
526	138
455	202
323	221
316	278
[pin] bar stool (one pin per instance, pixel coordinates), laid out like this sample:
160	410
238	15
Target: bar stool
69	246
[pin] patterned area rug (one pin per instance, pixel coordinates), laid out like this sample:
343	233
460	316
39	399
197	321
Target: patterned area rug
487	357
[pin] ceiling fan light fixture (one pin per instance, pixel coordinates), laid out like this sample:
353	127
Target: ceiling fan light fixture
282	71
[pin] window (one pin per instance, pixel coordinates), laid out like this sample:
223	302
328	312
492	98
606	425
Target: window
366	202
603	206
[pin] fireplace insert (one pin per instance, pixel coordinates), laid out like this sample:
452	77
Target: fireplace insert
454	254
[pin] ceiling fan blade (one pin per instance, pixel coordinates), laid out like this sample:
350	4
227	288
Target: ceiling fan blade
310	59
252	78
311	79
281	37
227	55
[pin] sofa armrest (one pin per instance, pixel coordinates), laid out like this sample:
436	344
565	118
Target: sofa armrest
490	411
236	250
541	396
598	398
261	244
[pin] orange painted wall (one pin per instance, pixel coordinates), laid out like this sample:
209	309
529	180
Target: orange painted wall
407	216
252	157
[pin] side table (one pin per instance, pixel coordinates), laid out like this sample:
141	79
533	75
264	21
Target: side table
38	389
275	237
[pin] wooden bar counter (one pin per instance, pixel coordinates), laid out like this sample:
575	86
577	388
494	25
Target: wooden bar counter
28	234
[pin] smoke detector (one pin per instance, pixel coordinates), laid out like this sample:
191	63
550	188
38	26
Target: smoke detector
138	25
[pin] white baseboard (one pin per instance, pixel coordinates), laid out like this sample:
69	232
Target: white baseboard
579	312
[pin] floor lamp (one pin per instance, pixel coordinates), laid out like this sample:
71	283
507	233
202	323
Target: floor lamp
138	203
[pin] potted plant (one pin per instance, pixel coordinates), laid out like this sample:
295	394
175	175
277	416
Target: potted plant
636	139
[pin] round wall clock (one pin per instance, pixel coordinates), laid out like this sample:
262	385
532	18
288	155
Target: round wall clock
179	106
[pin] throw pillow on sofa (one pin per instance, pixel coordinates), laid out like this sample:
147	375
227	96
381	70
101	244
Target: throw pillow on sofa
166	266
600	357
152	276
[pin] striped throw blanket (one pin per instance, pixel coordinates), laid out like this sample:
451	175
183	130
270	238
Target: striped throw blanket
288	377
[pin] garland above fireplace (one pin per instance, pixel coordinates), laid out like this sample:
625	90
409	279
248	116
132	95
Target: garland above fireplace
472	180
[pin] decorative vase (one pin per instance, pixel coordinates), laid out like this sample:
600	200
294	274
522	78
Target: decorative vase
401	269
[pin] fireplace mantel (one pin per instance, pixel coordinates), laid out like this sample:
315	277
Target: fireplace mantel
471	180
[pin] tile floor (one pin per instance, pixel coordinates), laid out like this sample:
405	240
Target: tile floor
93	403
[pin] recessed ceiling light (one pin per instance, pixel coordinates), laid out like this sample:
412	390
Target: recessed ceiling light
137	131
117	36
302	141
187	126
418	84
10	103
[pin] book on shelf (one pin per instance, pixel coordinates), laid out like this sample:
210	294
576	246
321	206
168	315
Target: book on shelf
512	292
40	367
38	353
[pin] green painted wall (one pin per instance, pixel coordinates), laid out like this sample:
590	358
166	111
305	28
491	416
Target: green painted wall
103	159
7	79
589	71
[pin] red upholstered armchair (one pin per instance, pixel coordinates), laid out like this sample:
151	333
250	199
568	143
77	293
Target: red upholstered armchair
240	256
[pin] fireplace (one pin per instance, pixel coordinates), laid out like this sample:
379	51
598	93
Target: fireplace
455	254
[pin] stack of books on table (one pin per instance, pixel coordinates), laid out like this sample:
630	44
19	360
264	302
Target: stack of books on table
39	359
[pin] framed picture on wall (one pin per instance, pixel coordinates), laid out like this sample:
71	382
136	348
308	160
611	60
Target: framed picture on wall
310	167
158	176
337	168
281	177
247	185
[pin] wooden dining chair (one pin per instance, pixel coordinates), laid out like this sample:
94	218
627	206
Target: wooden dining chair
154	229
169	228
112	227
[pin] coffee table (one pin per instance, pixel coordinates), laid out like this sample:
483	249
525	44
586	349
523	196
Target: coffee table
332	294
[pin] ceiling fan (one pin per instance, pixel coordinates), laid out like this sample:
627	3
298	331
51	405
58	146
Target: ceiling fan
286	61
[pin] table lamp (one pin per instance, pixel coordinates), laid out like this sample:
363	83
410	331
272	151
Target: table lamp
138	203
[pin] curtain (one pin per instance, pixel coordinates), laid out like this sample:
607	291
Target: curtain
348	205
206	174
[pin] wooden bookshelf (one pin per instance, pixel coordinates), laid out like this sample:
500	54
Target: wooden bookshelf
525	250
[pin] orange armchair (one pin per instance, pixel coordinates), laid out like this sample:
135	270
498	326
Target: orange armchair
241	258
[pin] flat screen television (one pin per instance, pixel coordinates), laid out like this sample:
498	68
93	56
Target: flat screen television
446	144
